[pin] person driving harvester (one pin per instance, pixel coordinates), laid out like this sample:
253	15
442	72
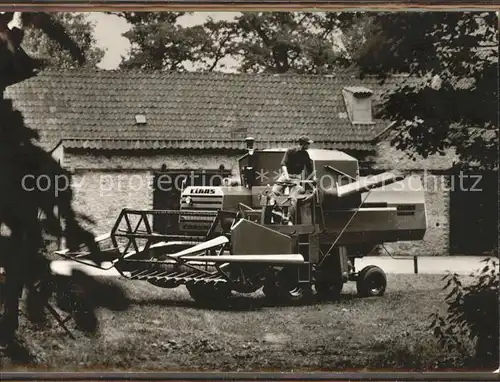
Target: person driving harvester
295	160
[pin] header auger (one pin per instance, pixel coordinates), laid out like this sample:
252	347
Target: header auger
232	238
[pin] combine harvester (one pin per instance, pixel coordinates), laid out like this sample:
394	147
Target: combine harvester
233	238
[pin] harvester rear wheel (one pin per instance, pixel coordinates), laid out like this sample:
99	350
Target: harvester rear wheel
371	281
328	290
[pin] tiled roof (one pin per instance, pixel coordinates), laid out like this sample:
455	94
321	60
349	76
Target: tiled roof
97	109
362	91
158	144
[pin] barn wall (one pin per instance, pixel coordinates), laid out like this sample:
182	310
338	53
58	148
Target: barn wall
177	160
101	195
437	197
58	154
388	157
436	239
104	185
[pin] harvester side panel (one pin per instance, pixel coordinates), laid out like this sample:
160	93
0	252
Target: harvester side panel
376	224
249	238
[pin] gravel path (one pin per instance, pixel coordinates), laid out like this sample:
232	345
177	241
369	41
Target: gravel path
426	264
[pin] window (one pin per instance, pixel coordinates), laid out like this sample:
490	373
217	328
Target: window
140	119
358	102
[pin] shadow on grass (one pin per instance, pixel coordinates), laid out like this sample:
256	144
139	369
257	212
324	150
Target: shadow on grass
244	303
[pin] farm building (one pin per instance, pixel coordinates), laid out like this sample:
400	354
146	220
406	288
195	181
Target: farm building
118	131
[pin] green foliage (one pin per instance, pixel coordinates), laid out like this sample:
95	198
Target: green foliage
277	42
412	353
21	231
38	44
472	315
448	62
448	93
301	42
157	42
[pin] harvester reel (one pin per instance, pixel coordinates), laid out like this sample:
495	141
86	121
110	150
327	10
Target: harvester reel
171	268
371	281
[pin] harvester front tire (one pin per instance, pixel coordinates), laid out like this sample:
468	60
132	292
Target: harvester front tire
209	295
371	281
196	292
328	290
279	290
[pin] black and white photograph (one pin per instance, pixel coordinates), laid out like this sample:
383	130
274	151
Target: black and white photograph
249	191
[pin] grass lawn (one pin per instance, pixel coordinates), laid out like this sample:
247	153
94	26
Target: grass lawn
164	331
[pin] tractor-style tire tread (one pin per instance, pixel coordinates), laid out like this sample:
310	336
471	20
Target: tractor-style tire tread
371	281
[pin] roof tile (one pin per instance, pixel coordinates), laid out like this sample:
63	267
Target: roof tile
197	109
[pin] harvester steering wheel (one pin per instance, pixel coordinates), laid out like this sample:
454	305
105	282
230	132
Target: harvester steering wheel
290	183
285	183
303	183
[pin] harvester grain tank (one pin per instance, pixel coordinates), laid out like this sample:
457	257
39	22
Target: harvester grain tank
233	237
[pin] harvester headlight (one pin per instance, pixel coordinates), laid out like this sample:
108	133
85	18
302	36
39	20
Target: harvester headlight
189	201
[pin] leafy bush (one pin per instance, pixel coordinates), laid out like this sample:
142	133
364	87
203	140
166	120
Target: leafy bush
416	354
472	315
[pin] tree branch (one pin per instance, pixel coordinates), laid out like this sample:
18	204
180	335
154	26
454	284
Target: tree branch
218	56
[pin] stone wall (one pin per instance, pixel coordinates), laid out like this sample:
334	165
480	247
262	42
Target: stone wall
437	197
102	195
173	160
436	239
104	185
388	157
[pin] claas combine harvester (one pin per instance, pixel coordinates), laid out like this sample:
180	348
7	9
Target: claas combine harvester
233	237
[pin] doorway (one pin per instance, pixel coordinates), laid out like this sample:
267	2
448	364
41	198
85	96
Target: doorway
473	213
